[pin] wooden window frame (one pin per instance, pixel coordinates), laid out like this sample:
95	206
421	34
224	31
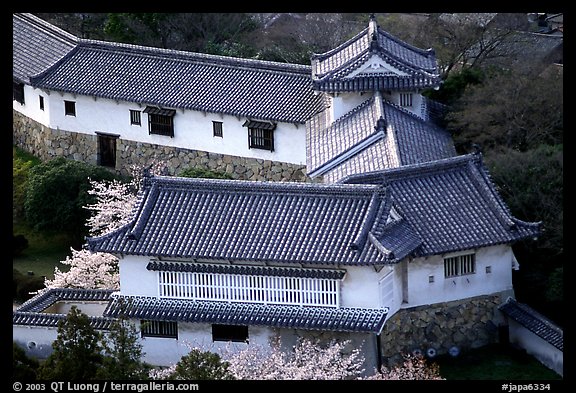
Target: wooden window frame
135	117
158	329
161	125
260	138
70	108
217	129
406	100
460	265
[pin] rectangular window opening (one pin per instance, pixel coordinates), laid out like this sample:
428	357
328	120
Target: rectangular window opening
406	99
41	102
70	108
234	333
259	138
18	92
135	118
107	151
165	329
217	129
460	265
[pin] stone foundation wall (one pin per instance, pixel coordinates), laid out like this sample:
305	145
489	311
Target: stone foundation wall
47	143
464	324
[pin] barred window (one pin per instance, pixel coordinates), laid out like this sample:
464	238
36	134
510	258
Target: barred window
460	265
405	99
164	329
160	121
217	128
135	118
260	134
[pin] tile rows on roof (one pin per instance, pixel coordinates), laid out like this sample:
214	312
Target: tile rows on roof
534	321
449	205
408	140
30	313
280	316
246	270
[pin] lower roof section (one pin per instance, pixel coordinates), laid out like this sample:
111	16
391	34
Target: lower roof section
361	320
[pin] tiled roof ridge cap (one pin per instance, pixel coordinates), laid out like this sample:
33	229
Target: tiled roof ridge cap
412	170
425	52
195	56
540	317
258	186
48	28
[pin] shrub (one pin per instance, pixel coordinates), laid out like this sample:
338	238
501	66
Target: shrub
23	367
57	191
204	173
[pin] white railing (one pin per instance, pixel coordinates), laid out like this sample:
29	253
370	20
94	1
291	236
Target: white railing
246	288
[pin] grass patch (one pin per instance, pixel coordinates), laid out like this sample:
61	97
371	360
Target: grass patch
494	362
44	252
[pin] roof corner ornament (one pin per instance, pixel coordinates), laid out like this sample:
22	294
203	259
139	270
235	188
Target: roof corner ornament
380	124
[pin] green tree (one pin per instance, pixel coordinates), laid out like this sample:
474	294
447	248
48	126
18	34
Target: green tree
202	365
23	367
123	353
57	191
76	351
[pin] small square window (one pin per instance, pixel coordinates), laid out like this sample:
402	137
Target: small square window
41	102
70	108
488	269
430	279
135	118
217	128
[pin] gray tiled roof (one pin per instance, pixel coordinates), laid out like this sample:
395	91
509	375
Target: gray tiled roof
175	79
280	316
248	221
344	148
443	206
245	270
450	204
36	45
31	312
330	70
534	321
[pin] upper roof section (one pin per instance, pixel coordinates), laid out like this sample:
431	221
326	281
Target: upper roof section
375	135
37	45
415	210
451	204
374	60
166	78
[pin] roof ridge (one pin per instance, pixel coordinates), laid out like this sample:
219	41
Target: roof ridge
48	28
195	56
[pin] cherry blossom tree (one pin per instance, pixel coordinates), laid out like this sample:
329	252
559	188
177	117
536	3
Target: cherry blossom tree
113	208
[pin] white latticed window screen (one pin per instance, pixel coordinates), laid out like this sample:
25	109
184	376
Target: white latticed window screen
249	288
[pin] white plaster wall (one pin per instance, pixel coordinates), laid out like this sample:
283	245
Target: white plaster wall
88	307
360	287
345	102
31	107
534	345
192	130
167	351
416	107
135	279
422	292
36	341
